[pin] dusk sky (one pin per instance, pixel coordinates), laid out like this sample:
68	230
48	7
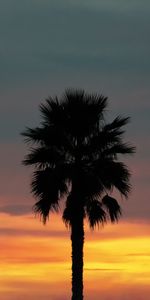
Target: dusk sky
46	47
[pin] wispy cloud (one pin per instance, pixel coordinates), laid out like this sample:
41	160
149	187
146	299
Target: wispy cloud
138	254
16	210
103	269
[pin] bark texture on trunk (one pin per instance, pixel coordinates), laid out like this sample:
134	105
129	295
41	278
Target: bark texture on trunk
77	239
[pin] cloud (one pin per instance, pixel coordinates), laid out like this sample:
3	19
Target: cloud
15	210
138	254
23	288
36	233
103	269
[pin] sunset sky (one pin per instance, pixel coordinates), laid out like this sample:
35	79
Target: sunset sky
46	47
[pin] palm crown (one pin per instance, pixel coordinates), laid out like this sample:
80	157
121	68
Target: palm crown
74	146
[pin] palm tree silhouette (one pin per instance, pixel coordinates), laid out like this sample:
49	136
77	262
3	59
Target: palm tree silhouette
75	156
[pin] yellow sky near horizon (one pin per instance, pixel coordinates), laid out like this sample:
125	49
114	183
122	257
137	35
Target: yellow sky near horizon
35	260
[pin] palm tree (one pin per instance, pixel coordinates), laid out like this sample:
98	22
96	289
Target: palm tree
75	156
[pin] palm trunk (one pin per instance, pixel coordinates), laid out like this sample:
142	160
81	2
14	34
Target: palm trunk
77	239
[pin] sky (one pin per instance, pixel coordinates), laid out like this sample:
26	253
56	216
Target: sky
45	47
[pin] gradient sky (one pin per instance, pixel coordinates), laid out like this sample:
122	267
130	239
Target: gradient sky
46	47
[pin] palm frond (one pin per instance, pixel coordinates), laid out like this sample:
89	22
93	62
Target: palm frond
118	148
83	112
40	135
68	211
44	157
113	208
49	187
33	135
52	113
113	174
48	183
95	213
42	208
117	123
91	184
119	177
102	141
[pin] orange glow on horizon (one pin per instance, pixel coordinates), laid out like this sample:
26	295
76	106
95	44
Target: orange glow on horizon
33	254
